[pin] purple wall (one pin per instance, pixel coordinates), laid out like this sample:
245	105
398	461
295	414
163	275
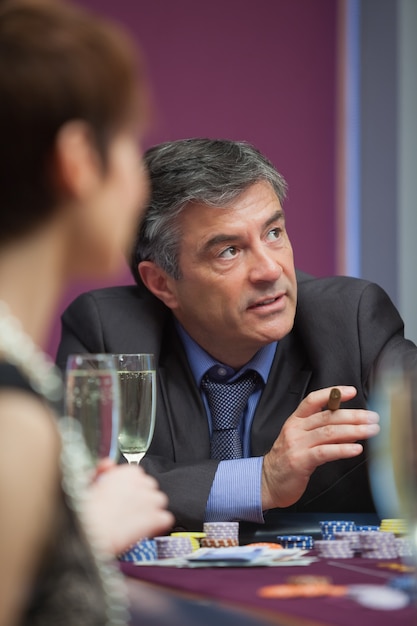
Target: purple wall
261	71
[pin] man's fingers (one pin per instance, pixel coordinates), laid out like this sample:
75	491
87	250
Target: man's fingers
339	417
333	452
342	433
316	400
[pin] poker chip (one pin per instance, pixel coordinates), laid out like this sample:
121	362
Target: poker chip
369	539
351	536
303	542
208	542
195	538
144	550
330	527
170	547
307	579
404	546
405	583
314	590
346	524
379	597
378	545
338	549
367	528
265	544
221	529
396	526
220	534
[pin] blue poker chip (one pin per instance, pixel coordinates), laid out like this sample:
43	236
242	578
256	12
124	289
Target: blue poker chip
337	522
367	528
404	582
303	542
330	525
294	537
142	551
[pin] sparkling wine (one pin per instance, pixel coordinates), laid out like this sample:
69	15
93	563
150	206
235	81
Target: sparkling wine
138	404
92	399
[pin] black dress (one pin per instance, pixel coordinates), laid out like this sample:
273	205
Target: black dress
74	587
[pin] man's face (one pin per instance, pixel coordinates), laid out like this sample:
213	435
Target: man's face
238	288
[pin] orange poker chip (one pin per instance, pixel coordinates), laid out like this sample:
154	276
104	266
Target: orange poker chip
265	544
301	591
309	580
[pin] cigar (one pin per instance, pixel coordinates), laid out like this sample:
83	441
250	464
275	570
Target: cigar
334	399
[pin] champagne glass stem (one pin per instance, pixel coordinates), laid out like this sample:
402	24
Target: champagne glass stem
133	458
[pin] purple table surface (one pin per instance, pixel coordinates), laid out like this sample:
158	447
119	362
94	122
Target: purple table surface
239	587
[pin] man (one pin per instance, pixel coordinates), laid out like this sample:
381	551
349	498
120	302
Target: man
216	297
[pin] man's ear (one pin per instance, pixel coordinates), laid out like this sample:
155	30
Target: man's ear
158	282
77	166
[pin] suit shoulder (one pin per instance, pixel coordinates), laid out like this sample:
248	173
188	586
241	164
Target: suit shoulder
124	292
334	286
339	300
115	305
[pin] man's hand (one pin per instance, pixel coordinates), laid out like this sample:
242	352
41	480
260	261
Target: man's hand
310	437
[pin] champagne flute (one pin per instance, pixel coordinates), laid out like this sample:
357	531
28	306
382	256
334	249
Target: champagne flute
137	379
93	399
393	459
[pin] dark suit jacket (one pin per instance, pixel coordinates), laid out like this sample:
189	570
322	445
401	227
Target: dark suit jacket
343	328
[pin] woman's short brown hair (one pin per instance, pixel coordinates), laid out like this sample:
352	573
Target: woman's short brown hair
57	63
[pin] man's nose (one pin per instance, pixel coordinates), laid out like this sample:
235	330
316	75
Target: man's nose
265	266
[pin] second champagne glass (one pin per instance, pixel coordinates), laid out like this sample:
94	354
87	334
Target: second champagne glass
137	379
93	399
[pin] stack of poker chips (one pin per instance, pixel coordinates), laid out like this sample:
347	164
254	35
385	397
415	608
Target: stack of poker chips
354	536
220	535
404	547
351	536
330	527
172	547
303	542
395	526
144	550
378	545
339	549
194	537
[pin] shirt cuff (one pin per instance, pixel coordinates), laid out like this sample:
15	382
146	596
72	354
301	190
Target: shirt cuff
236	492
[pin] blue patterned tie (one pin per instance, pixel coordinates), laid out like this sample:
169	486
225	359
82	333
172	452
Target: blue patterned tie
227	402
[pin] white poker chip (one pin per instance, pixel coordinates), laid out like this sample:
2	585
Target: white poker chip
379	597
351	537
221	530
379	555
168	546
228	525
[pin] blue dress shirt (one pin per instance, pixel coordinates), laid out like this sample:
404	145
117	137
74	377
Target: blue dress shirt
236	490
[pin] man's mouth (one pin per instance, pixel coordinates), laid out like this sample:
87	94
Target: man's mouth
265	302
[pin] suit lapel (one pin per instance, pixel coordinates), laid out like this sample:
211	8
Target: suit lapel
182	402
285	388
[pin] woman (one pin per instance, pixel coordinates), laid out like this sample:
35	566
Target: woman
71	187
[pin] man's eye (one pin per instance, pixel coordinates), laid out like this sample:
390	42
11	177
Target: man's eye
228	253
274	234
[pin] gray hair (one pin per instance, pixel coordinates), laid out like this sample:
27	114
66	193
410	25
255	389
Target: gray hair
211	172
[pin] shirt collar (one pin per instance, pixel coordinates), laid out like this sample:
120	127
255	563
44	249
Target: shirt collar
200	361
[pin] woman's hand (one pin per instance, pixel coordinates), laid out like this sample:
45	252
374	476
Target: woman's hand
125	505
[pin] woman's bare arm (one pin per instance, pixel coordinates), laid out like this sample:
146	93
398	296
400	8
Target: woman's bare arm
29	487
